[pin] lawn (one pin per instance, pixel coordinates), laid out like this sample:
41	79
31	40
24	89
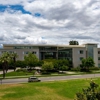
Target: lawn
27	74
16	74
57	90
22	74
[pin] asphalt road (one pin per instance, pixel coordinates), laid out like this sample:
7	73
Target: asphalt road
53	78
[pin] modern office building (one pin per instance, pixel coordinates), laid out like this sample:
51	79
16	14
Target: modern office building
75	53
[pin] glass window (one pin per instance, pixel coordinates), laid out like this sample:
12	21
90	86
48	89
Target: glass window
48	48
98	65
98	58
25	47
81	58
26	52
4	51
98	52
81	51
11	51
34	52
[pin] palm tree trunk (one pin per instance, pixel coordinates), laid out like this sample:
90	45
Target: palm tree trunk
3	70
4	74
14	59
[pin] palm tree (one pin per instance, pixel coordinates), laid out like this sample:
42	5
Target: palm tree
5	58
13	57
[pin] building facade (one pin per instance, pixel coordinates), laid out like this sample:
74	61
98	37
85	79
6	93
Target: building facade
74	53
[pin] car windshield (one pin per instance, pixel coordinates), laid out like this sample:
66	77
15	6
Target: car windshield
33	77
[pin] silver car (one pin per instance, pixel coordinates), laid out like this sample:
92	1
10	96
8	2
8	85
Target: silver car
33	79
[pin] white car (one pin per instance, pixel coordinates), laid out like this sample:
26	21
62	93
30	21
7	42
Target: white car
33	79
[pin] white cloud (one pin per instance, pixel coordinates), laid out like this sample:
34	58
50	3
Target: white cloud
12	2
60	22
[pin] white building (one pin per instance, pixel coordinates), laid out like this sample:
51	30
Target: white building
75	53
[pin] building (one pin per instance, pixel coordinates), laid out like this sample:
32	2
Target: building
75	53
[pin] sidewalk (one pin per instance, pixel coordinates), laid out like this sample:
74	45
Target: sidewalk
10	70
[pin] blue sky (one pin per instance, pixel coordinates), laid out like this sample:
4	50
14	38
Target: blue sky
3	8
49	21
13	7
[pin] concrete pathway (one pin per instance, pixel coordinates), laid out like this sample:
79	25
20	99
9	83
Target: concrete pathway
10	70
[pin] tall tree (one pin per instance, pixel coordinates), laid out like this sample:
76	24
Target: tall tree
14	56
87	63
47	66
31	60
5	58
73	42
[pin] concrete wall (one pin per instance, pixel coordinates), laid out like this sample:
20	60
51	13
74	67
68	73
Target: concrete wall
96	57
76	56
99	56
21	52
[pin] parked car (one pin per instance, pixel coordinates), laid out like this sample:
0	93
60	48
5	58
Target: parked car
33	79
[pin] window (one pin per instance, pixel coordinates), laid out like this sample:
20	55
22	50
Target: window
25	52
98	52
98	65
98	58
81	58
34	52
4	51
24	47
81	51
11	51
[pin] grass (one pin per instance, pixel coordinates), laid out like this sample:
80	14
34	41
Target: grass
22	74
16	74
57	90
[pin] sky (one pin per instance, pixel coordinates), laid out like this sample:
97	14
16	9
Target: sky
49	21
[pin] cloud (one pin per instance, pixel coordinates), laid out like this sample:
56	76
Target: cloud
49	21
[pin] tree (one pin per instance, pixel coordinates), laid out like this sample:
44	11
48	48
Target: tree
90	93
61	63
21	64
14	56
40	63
47	66
5	59
73	42
31	60
87	63
63	68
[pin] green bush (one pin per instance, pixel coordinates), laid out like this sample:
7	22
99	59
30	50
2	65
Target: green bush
76	69
94	68
47	66
90	93
45	73
21	64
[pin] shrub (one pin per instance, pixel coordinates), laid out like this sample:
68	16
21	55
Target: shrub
63	68
47	66
90	93
21	64
94	68
76	69
43	72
